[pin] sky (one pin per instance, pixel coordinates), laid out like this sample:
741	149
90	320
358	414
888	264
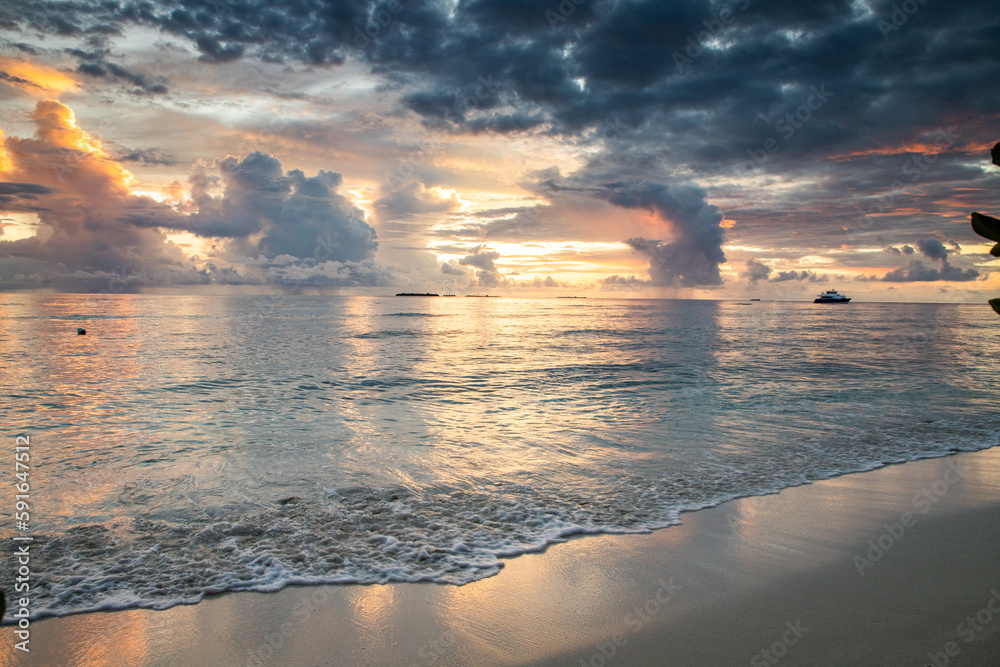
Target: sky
692	149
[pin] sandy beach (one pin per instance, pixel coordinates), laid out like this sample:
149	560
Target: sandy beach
897	566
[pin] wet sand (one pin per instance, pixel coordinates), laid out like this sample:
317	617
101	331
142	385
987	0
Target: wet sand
899	566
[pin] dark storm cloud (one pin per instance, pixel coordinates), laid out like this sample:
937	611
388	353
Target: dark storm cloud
26	48
311	31
753	63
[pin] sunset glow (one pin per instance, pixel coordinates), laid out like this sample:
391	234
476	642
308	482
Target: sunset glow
500	332
425	176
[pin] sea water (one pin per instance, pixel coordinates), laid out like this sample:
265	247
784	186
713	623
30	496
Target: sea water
194	445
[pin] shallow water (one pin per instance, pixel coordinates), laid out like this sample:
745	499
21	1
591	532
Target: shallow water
191	445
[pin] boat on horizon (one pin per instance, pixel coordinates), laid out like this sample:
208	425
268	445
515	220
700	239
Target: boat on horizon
831	296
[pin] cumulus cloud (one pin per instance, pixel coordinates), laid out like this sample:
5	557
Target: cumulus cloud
692	257
451	268
487	274
92	226
82	199
933	249
623	281
269	212
605	74
782	276
917	271
756	271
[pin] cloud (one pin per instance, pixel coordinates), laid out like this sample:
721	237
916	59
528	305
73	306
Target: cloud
35	78
450	268
603	76
918	272
480	259
756	271
410	200
783	276
628	281
487	274
93	226
95	64
692	257
287	213
148	156
933	249
11	192
570	74
513	224
81	197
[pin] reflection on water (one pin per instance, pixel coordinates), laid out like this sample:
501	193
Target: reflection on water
260	441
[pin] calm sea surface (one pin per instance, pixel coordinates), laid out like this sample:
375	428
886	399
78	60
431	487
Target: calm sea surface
192	445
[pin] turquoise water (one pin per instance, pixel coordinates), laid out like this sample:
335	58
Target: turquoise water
192	445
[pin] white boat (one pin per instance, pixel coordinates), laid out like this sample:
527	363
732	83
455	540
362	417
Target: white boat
831	296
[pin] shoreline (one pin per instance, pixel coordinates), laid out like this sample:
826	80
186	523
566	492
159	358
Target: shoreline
881	567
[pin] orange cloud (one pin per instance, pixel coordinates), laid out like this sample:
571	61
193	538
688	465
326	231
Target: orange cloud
34	78
5	163
917	149
85	209
95	229
64	155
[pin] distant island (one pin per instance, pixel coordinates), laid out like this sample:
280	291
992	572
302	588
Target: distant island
416	294
482	296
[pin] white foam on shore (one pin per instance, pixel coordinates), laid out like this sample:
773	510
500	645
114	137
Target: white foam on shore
368	535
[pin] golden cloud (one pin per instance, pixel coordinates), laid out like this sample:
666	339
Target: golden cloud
35	78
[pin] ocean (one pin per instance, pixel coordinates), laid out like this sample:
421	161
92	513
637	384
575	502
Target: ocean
191	445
